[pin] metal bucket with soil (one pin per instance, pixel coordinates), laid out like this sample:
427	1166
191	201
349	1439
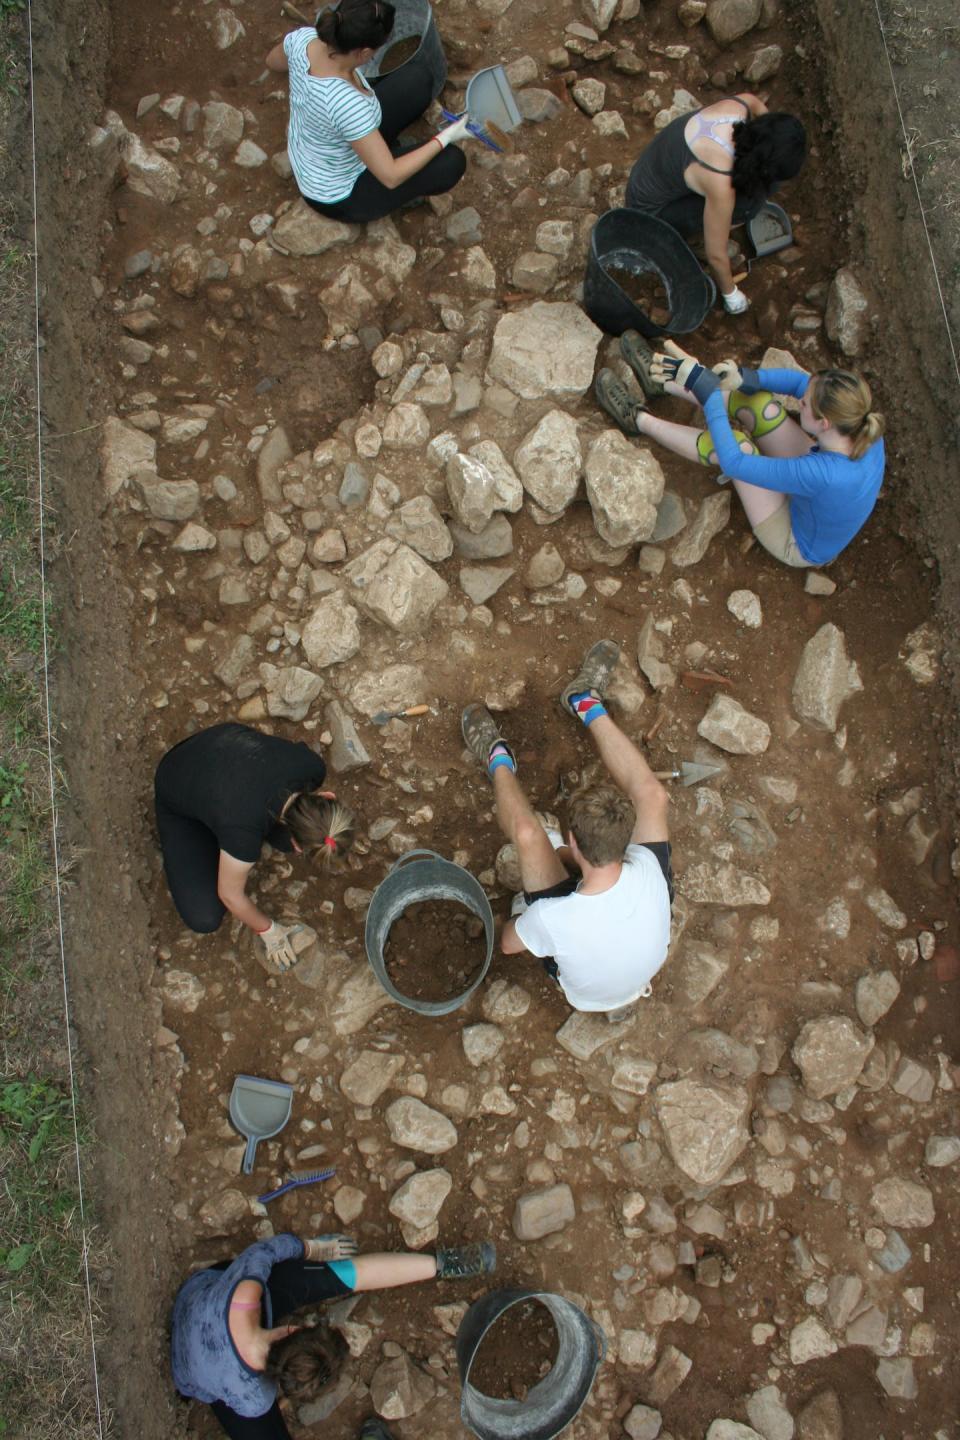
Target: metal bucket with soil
429	933
527	1360
641	275
414	37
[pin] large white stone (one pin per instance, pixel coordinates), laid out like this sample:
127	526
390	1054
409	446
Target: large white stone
825	678
392	584
830	1053
416	1126
624	487
419	524
472	491
847	314
302	231
366	1078
509	490
903	1203
149	172
123	451
728	20
724	884
332	634
704	1126
545	350
419	1199
732	728
549	461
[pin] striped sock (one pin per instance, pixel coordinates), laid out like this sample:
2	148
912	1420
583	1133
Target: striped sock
587	706
500	757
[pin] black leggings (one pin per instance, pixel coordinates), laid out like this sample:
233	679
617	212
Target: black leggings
404	94
686	215
191	859
292	1284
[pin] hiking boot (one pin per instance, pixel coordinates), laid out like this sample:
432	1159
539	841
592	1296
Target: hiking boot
465	1261
374	1429
615	398
594	674
481	733
638	354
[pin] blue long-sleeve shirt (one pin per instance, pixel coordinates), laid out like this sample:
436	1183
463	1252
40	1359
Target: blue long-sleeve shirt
831	496
203	1356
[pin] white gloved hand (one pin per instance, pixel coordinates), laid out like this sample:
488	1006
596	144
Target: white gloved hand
278	943
729	373
673	363
457	131
324	1248
736	302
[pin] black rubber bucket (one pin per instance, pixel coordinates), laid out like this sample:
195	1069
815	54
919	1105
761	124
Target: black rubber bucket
413	17
554	1401
641	244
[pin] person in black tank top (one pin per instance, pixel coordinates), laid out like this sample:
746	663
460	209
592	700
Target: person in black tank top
219	795
714	168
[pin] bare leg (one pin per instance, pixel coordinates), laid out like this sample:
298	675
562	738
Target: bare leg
384	1272
681	439
630	772
540	865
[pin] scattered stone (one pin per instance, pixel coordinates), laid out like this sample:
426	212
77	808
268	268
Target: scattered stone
399	1388
535	272
183	991
365	1080
875	993
543	1212
728	20
724	884
810	1340
481	582
732	728
507	485
672	1369
394	585
732	1430
548	461
416	1126
847	313
589	96
472	491
830	1053
821	1418
897	1378
745	606
493	542
406	427
275	451
148	172
769	1415
624	486
712	517
825	678
290	691
942	1150
585	1032
650	656
346	750
125	451
704	1126
482	1043
544	568
638	1349
886	909
419	524
222	1213
332	634
303	231
817	584
545	351
903	1203
643	1423
419	1200
920	653
193	539
764	64
168	499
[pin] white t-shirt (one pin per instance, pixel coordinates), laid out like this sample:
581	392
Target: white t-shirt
608	946
326	114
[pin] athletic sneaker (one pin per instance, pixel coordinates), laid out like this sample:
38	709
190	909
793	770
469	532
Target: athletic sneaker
465	1261
594	674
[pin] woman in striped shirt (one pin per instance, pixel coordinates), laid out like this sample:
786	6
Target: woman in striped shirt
343	136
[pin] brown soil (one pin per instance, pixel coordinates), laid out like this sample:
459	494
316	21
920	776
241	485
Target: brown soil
400	53
434	950
134	676
646	291
517	1351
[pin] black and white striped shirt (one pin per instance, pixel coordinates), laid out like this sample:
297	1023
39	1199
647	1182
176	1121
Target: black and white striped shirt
326	114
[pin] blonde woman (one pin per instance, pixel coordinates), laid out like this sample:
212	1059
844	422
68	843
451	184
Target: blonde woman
807	488
219	795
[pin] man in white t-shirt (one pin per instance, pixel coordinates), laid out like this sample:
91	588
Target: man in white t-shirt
603	934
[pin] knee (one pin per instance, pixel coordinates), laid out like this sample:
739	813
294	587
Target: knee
451	166
528	833
203	917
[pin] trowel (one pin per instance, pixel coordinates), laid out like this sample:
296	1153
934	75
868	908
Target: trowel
690	773
383	716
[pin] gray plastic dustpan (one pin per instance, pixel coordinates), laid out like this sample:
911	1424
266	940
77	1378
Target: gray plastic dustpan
491	100
770	229
258	1109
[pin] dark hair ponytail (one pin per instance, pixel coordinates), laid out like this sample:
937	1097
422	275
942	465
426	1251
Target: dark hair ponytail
766	150
356	25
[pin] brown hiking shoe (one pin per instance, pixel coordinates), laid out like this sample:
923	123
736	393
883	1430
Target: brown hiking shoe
594	674
481	733
614	397
638	354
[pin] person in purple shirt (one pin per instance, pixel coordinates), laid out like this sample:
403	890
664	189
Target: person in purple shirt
230	1348
807	488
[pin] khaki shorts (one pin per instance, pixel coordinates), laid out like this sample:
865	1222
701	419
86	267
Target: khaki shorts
776	536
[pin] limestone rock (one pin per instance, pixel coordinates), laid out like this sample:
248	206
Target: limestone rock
764	63
472	491
332	634
875	993
194	539
821	1418
589	96
543	1212
643	1423
638	1349
478	271
903	1203
406	427
124	450
585	1032
745	606
897	1378
732	1430
810	1340
220	1214
346	750
716	1051
768	1413
392	688
357	1001
183	991
291	690
535	272
549	461
419	1199
493	542
941	1150
227	29
509	490
704	1126
148	172
482	1043
545	350
481	582
724	884
419	524
394	585
728	20
416	1126
825	678
624	487
671	1370
168	499
366	1078
545	567
303	231
847	314
222	125
275	451
399	1388
830	1053
732	728
712	517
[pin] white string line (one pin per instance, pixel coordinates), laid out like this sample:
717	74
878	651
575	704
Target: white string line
916	185
49	726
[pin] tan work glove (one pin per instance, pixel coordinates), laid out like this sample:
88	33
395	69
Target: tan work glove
277	941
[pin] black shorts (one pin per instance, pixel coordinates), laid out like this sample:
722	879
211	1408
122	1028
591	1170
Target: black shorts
661	851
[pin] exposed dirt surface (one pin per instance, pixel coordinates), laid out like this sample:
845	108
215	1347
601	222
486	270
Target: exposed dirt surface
434	950
645	290
516	1352
236	336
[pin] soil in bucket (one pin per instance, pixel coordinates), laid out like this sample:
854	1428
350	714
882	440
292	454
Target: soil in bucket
435	950
645	289
516	1353
399	54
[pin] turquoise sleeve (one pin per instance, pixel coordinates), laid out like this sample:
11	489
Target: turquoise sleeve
345	1271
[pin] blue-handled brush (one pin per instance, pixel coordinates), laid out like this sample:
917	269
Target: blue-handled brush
479	133
301	1177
